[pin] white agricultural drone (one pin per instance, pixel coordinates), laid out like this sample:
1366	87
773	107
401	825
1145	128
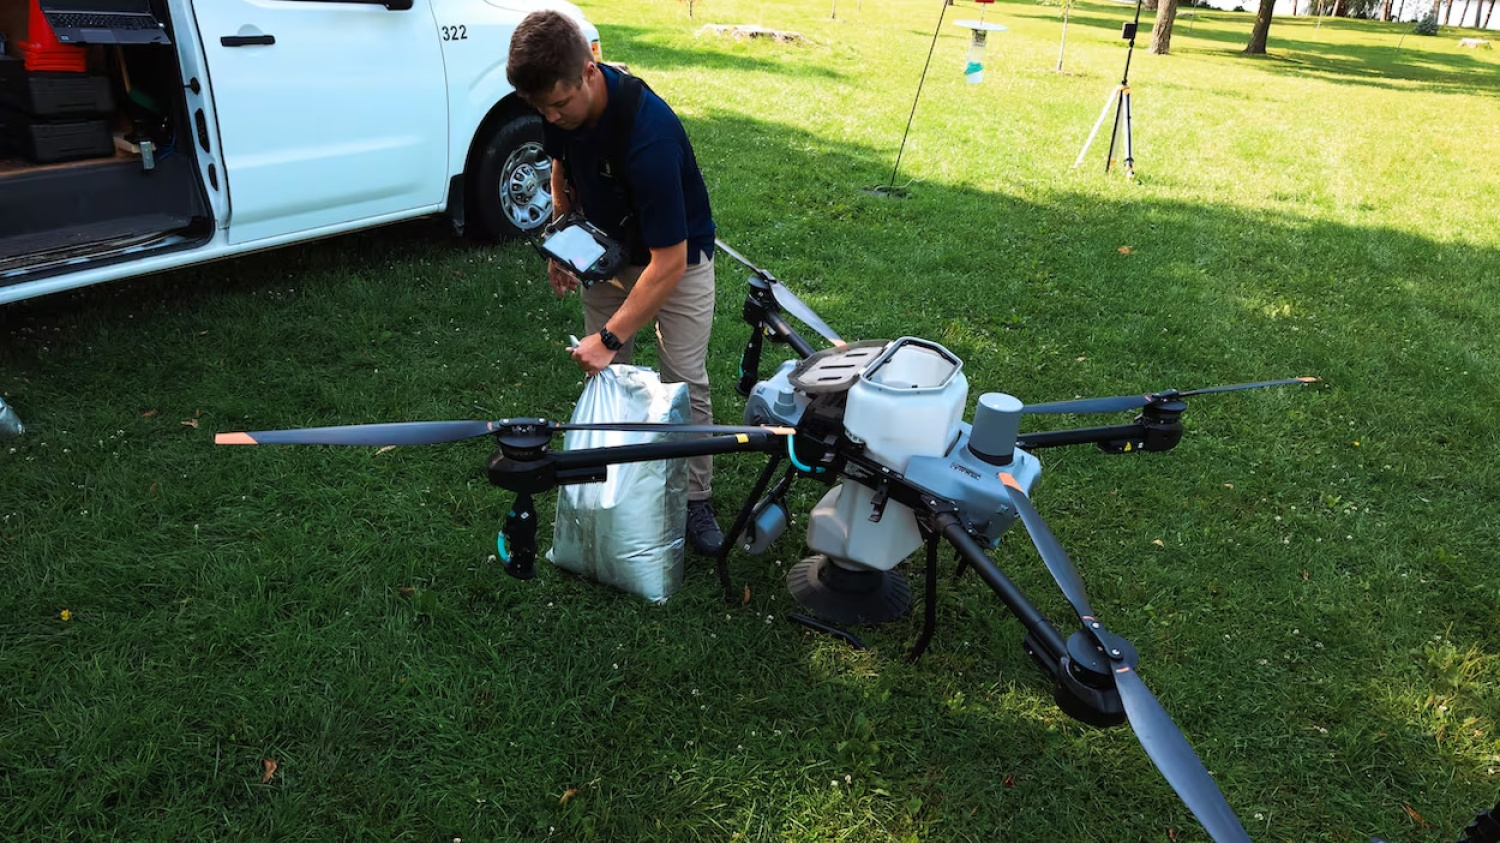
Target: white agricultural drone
880	423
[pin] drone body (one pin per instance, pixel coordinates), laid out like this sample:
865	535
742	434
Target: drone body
901	404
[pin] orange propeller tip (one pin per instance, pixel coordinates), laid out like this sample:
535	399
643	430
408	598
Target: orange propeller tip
233	439
1309	379
1010	480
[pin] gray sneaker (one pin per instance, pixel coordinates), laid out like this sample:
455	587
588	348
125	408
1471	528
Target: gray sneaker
703	533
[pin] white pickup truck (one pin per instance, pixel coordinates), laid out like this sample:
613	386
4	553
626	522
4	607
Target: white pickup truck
265	123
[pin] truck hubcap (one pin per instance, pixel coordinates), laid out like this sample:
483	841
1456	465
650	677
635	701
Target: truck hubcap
525	187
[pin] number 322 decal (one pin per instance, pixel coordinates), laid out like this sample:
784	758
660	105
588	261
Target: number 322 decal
456	33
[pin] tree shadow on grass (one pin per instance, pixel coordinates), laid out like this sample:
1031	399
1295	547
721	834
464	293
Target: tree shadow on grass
1295	49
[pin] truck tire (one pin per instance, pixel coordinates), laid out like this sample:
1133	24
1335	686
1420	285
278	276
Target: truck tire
510	190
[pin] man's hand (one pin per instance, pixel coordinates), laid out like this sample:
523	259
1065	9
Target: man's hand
561	280
591	355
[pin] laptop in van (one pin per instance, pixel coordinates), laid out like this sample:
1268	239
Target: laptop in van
104	22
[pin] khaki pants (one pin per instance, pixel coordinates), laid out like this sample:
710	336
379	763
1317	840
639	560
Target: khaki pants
682	328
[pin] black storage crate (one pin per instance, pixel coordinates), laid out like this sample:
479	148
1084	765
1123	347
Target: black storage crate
46	94
50	141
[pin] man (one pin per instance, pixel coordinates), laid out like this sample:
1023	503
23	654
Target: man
621	157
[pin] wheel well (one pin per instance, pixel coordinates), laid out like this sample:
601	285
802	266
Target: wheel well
507	108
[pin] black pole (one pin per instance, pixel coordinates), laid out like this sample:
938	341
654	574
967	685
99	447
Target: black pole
1122	105
920	82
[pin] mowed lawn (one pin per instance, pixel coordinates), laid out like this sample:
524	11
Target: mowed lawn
317	644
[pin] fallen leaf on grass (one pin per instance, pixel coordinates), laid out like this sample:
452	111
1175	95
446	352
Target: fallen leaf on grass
149	413
1172	835
190	422
386	448
270	765
406	591
1158	542
1305	576
1126	250
1010	780
568	794
745	601
1415	817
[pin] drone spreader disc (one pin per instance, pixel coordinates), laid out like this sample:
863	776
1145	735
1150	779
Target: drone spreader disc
847	595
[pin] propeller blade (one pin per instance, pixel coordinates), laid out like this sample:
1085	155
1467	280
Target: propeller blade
1057	561
665	427
1090	405
785	297
1131	402
798	308
1236	387
742	259
391	433
1175	758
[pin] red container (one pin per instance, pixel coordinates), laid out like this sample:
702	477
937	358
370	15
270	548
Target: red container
41	51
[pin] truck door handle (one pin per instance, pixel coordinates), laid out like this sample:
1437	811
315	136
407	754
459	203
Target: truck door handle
248	40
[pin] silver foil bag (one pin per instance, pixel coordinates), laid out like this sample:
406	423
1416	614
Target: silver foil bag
629	531
10	423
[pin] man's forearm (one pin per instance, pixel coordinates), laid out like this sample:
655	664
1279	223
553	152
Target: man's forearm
651	290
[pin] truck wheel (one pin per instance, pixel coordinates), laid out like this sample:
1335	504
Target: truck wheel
510	191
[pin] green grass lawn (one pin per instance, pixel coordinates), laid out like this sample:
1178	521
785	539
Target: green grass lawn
1311	577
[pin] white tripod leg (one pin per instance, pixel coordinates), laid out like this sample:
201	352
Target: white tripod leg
1097	124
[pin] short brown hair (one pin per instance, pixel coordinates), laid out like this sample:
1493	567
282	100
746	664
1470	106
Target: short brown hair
547	48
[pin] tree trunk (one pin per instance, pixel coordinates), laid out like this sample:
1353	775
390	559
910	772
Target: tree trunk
1150	5
1338	7
1385	10
1161	31
1448	13
1262	28
1487	14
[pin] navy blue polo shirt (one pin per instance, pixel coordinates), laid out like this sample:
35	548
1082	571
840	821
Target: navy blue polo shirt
667	196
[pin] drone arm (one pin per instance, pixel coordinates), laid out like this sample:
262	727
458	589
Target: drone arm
1038	627
1079	436
1156	429
782	331
589	465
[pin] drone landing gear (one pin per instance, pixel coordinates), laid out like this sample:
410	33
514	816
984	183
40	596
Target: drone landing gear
848	595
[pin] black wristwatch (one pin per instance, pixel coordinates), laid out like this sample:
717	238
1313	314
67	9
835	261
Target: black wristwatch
609	339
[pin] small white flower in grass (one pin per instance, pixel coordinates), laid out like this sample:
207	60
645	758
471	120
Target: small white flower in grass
1259	815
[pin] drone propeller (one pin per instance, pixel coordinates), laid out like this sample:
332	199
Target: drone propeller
1131	402
390	433
786	298
1159	736
438	432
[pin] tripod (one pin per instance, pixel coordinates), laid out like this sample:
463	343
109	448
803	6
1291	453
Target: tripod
1119	100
